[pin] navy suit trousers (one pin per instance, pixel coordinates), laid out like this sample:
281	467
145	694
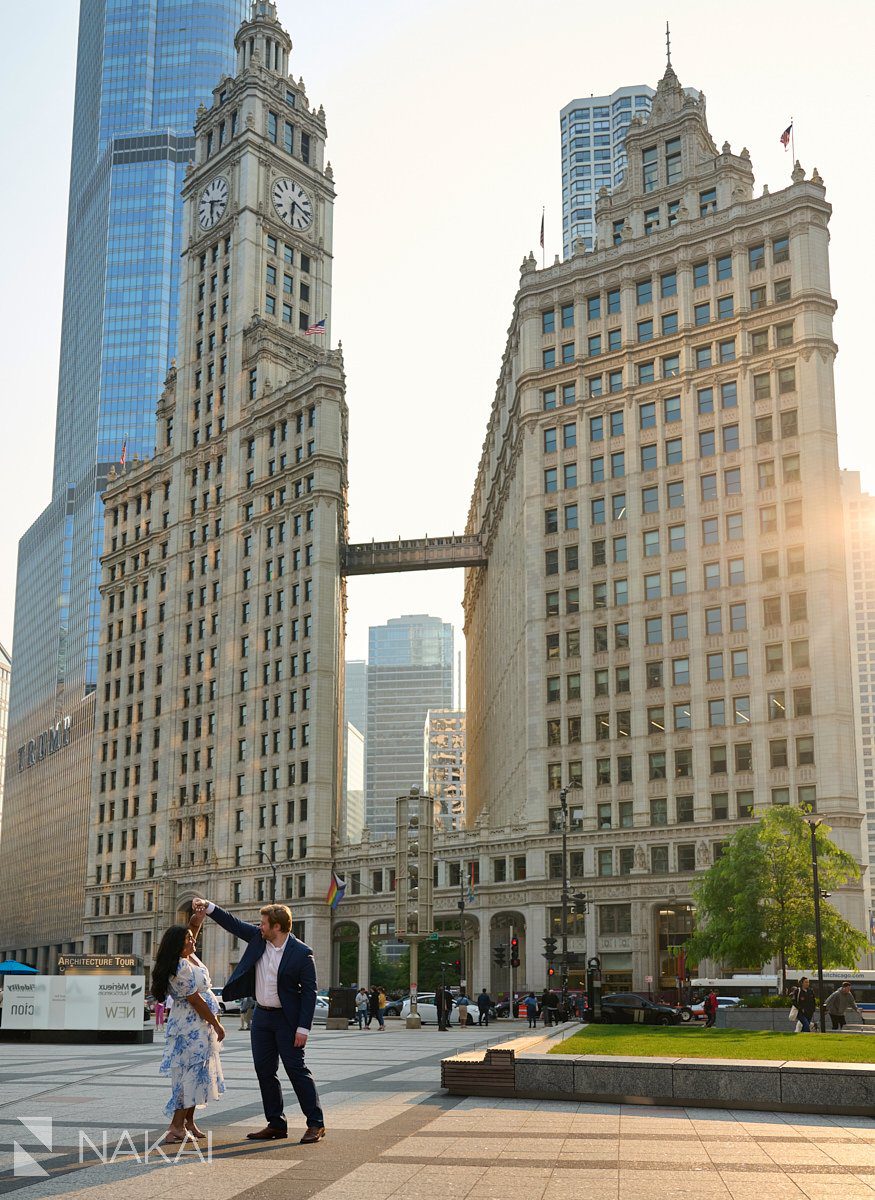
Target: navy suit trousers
273	1039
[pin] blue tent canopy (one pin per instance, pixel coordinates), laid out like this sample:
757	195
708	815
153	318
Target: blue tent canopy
11	967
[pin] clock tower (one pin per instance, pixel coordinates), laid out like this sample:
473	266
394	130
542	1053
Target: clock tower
227	543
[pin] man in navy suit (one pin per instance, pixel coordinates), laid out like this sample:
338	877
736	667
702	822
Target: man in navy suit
278	970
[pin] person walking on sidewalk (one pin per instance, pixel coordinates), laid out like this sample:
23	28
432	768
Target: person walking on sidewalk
247	1004
484	1004
361	1007
531	1003
710	1006
279	971
805	1002
838	1004
462	1005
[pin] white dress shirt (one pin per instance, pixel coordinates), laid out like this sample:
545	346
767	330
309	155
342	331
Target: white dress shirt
266	969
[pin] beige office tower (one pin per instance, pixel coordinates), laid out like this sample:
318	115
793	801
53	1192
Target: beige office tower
663	621
218	731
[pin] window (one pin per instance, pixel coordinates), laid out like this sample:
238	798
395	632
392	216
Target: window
674	451
548	359
739	664
715	666
784	334
618	465
594	344
568	352
646	372
707	443
712	576
659	860
675	493
649	461
682	718
650	499
725	308
671	409
789	421
705	400
786	380
656	764
775	657
778	753
701	276
782	290
756	258
615	380
652	587
613	300
713	621
593	308
548	321
724	267
569	476
758	297
618	507
614	339
669	324
726	350
680	672
732	481
644	291
677	538
707	202
548	399
703	357
550	480
781	250
596	429
571	516
605	862
550	440
716	713
651	169
679	628
647	416
645	331
799	655
702	314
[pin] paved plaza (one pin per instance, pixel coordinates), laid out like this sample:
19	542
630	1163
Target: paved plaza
393	1133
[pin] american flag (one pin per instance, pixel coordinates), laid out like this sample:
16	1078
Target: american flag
785	136
124	457
319	327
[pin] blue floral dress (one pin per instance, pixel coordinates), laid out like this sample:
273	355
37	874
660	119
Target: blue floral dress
191	1047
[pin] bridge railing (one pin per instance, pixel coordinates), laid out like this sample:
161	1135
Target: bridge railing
413	554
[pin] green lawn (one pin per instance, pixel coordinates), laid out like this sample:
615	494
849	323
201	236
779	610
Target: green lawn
698	1042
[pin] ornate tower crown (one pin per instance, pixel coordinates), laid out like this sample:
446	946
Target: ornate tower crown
263	39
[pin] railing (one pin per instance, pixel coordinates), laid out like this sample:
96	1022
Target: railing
413	554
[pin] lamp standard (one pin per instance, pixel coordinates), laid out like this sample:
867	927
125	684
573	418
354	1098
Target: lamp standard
812	823
265	857
563	800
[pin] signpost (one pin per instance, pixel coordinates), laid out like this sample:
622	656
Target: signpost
100	1002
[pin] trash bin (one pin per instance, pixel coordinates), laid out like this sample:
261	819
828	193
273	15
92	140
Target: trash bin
341	1007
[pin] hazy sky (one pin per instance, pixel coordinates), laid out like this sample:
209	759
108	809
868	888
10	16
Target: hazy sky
443	121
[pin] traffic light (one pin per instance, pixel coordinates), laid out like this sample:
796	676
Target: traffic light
457	964
499	953
514	952
551	971
549	948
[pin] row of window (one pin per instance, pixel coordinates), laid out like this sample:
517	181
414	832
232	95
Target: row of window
283	133
706	355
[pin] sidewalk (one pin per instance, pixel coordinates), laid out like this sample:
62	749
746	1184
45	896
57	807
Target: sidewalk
392	1132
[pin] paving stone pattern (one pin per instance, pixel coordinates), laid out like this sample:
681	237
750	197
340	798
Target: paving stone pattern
393	1133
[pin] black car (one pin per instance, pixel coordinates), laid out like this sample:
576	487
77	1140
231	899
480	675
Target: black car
627	1008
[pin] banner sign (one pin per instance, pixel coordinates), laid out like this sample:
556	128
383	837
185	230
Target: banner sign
74	1002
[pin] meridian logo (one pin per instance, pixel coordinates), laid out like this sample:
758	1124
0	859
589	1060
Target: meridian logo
24	1164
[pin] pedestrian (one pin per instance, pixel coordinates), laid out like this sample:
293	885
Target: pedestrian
381	1009
160	1014
838	1004
805	1003
247	1004
279	971
546	1010
194	1032
373	1005
462	1005
710	1006
484	1004
444	1003
361	1007
552	1003
531	1003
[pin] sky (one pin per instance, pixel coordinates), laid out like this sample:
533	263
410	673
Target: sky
443	123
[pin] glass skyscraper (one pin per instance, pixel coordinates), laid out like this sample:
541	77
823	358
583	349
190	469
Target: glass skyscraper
143	68
410	670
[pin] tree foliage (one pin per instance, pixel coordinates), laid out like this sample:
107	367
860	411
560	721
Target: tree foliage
756	902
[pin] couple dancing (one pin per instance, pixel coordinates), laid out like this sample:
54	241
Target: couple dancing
278	970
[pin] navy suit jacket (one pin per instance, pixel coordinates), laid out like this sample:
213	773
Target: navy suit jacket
296	977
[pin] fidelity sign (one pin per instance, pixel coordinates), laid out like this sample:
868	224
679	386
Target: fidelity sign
49	742
74	1002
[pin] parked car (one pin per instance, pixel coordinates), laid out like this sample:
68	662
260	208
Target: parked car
226	1007
393	1007
697	1010
427	1010
320	1014
628	1008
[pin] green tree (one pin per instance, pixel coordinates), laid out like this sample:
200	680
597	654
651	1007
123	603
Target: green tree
756	901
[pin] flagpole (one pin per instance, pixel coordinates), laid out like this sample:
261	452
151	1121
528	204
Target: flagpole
543	251
792	142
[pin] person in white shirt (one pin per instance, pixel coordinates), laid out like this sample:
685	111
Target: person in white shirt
279	971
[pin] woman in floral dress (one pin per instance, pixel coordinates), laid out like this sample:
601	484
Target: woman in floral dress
193	1031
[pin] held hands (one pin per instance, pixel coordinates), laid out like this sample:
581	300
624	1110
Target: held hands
199	906
220	1031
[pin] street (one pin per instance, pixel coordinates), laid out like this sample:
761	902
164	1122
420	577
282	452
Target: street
392	1132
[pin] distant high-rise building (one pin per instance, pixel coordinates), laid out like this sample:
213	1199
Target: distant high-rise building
355	694
353	815
444	777
5	677
860	559
594	155
410	670
143	68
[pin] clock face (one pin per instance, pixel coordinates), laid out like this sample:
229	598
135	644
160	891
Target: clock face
293	204
213	201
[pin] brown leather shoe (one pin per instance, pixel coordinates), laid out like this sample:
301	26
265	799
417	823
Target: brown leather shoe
268	1134
313	1134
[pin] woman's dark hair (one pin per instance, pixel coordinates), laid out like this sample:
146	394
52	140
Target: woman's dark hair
167	960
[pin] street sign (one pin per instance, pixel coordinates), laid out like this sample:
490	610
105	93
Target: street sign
648	979
433	937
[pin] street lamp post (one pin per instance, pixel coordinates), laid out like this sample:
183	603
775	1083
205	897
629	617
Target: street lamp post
813	823
461	902
265	857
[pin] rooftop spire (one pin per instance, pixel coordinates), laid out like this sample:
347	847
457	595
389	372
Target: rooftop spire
667	45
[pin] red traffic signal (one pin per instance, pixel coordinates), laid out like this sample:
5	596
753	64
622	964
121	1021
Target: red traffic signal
551	971
514	943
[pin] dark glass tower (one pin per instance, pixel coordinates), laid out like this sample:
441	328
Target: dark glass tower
143	68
